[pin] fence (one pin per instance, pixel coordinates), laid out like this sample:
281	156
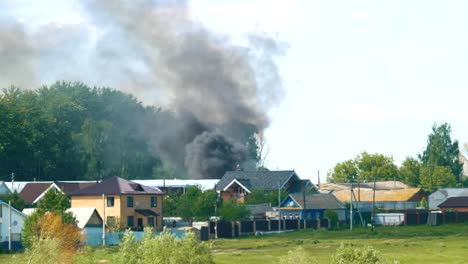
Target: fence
230	229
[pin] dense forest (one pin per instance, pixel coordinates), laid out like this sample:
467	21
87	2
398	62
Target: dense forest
69	131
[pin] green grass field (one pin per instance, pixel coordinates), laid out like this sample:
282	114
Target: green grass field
407	244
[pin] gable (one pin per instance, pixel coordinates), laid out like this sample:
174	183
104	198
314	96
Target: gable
290	202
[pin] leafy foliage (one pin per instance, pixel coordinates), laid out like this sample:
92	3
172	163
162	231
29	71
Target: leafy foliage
333	216
50	232
231	211
348	254
260	197
365	167
297	256
164	248
16	200
433	178
410	171
54	203
69	131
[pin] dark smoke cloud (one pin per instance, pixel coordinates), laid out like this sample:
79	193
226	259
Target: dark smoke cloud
219	92
212	153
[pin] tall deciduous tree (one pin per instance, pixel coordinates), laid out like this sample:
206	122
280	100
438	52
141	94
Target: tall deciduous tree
436	177
365	167
441	151
410	171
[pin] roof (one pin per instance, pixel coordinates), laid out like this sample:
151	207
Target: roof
3	203
204	184
318	201
116	185
70	187
454	202
255	180
379	185
83	214
366	195
33	190
146	212
259	209
296	186
442	194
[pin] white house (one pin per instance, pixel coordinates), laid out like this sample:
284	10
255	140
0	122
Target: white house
17	222
90	223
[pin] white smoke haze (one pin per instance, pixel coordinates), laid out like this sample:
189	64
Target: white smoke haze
156	51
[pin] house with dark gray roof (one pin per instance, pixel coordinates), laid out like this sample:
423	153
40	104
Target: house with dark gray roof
122	202
238	184
312	207
459	204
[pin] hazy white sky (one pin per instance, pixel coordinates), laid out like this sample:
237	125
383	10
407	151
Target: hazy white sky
360	75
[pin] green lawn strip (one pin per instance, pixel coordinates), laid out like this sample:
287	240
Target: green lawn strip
407	244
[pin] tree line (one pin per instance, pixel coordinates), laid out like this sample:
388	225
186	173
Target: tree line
437	166
70	131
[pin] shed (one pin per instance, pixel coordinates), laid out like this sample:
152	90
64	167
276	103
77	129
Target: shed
90	223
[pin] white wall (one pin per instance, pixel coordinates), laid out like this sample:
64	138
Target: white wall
17	223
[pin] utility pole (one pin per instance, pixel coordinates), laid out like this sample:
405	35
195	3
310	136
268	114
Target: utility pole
351	208
104	220
373	206
9	225
12	180
279	206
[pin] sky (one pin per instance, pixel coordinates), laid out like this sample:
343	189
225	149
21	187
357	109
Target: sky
359	75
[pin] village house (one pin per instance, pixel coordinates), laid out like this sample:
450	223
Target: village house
458	204
17	222
442	194
238	184
395	199
314	207
122	202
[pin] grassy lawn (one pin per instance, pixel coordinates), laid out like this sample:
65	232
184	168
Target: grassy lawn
407	244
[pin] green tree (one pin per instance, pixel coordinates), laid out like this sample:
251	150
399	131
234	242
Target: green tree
410	171
16	200
260	197
365	167
441	151
206	203
185	205
231	211
437	177
53	201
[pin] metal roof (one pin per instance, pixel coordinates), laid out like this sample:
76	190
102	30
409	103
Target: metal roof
256	180
318	201
116	185
366	195
455	202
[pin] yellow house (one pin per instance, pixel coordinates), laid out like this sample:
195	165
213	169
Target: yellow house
130	204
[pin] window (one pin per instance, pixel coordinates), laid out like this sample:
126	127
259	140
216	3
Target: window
151	221
110	201
154	201
111	221
130	221
130	201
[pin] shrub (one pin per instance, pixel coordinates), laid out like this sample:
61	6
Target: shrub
333	216
358	255
297	256
42	250
50	231
164	248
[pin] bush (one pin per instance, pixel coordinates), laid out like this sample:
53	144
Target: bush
333	216
297	256
42	250
164	248
51	225
358	255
